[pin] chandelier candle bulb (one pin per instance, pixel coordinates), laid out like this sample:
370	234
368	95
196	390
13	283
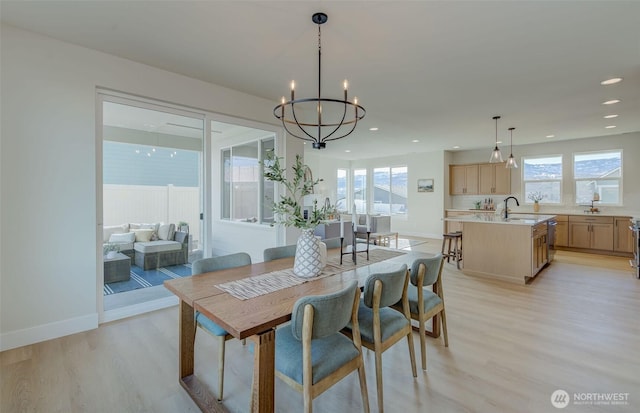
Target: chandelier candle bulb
319	131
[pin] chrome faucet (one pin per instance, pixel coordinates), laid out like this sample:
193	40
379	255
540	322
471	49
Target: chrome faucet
506	205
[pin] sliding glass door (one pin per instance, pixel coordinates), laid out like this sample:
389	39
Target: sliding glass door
152	181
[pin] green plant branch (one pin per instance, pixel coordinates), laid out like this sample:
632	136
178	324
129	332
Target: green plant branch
289	209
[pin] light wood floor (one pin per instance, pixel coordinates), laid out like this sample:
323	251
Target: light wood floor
574	328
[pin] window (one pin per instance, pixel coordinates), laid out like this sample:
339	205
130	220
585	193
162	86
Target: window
360	190
390	190
246	195
543	175
342	190
598	177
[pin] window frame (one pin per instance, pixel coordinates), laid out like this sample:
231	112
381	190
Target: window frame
560	180
365	195
347	188
260	193
620	178
390	170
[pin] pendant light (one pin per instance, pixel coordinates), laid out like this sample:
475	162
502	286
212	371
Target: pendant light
511	162
496	155
339	118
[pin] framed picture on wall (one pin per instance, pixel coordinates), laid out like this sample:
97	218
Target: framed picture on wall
425	185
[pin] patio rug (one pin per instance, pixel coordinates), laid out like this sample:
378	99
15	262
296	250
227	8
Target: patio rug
142	279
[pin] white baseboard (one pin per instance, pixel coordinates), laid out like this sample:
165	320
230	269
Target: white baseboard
32	335
137	309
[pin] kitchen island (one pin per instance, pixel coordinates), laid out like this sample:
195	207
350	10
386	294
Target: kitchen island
513	249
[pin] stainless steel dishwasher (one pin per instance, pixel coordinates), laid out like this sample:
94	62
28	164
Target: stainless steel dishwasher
551	238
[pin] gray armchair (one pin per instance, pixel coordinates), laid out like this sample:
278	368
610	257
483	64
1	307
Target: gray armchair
379	224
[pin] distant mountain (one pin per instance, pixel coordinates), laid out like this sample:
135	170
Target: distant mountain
583	169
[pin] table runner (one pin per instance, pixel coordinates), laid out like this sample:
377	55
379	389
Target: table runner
255	286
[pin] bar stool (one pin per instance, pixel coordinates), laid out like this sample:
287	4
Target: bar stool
452	252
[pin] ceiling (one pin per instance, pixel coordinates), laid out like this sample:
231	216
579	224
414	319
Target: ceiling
431	71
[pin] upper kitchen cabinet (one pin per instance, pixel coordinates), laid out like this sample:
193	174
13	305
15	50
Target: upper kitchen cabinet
480	179
463	179
495	179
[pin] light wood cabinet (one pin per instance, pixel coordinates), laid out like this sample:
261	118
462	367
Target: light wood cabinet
463	179
494	179
591	232
562	231
622	235
539	247
454	226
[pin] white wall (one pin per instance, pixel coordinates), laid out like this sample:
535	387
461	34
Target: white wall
426	209
325	168
252	238
48	186
629	143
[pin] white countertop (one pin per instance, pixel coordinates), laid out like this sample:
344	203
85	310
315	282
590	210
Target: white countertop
520	210
519	219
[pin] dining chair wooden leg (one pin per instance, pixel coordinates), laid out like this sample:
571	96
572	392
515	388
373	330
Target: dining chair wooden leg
308	399
221	367
444	328
378	355
412	353
423	345
363	388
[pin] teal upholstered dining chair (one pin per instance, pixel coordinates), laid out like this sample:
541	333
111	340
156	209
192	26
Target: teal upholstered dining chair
332	243
423	303
275	253
382	326
209	265
311	353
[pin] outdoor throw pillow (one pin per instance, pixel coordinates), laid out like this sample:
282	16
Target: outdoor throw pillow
123	238
164	232
143	235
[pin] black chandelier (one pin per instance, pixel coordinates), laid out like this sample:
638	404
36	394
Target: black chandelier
319	131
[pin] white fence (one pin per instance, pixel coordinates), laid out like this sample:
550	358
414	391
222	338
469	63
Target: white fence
146	204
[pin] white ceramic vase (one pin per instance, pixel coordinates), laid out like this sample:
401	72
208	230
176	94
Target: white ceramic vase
308	260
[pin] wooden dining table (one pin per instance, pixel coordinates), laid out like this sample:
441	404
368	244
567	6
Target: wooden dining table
254	319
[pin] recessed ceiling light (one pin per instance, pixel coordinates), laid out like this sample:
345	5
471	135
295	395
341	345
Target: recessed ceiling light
611	116
373	129
551	136
498	141
611	81
610	127
415	141
456	147
348	150
611	102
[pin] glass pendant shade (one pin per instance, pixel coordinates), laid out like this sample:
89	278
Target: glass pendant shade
511	162
496	155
